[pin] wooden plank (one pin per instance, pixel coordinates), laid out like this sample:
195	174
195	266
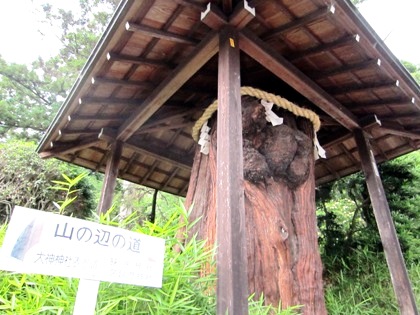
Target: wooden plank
121	82
227	6
392	249
363	88
278	65
109	101
69	147
201	54
346	69
398	130
242	15
157	33
156	150
311	17
139	60
232	276
344	41
111	174
213	17
398	102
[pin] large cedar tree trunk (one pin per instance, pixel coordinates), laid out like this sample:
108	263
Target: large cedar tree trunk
283	258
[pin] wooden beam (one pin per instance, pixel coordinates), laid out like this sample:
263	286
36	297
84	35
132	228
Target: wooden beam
169	179
139	60
167	117
109	101
111	174
391	245
311	17
190	4
168	126
100	117
346	69
69	147
242	15
201	54
407	116
157	33
398	130
277	64
121	82
155	149
363	88
214	18
398	102
347	40
232	275
227	6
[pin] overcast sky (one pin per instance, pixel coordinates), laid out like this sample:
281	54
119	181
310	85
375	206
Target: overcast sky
396	21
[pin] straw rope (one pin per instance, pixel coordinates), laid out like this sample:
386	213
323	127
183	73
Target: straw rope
275	99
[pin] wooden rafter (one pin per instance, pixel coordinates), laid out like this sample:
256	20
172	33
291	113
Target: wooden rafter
69	147
139	60
109	101
399	102
201	54
268	57
214	18
364	88
227	6
311	17
157	33
398	130
347	40
156	150
121	82
346	69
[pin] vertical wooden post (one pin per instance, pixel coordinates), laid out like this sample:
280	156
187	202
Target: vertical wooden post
111	174
392	249
232	276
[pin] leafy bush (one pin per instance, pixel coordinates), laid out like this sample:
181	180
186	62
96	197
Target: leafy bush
25	180
345	215
185	289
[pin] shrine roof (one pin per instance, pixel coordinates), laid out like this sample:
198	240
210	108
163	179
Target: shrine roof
154	72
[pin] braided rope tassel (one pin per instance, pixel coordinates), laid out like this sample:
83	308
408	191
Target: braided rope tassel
268	97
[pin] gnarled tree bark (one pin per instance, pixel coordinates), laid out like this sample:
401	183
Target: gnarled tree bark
283	257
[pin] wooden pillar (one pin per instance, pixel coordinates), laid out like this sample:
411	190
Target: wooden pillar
111	174
232	283
391	245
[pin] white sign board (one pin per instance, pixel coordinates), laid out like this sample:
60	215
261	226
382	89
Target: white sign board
46	243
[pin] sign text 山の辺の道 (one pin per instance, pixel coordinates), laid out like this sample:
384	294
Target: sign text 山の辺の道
52	244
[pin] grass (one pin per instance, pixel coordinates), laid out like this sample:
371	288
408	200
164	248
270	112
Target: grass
360	287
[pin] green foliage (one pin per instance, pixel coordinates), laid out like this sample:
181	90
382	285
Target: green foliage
185	290
357	2
357	277
345	216
25	180
413	69
30	95
362	286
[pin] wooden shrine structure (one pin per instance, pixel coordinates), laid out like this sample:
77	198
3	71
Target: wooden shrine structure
161	63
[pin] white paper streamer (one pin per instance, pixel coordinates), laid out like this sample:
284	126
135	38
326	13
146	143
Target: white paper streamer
270	115
319	151
204	140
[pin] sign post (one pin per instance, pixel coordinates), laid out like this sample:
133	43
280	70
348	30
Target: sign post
51	244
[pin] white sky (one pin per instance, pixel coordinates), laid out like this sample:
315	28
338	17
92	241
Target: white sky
396	20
